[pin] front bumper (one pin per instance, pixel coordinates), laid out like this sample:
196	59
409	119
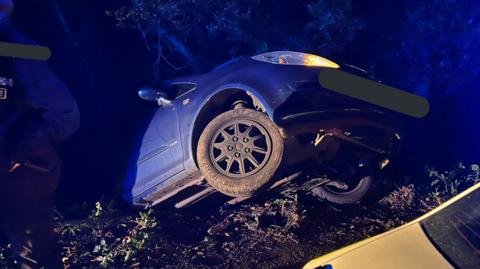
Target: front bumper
373	134
310	110
346	118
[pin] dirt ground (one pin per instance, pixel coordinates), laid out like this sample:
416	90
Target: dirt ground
273	231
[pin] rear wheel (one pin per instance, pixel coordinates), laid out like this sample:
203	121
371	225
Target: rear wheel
342	193
239	152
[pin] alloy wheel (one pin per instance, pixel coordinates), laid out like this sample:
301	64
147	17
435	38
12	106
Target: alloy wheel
240	148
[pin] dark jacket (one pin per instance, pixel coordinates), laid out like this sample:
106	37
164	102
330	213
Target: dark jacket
42	111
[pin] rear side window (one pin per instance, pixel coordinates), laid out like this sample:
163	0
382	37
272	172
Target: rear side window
455	231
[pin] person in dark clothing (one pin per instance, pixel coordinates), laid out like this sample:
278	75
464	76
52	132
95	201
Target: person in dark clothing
37	113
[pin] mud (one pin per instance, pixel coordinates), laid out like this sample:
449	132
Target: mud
273	231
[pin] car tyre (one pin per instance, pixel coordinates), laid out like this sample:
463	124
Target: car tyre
347	197
240	136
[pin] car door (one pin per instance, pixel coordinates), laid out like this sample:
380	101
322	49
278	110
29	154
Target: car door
160	156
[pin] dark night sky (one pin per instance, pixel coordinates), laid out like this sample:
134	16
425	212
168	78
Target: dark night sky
103	66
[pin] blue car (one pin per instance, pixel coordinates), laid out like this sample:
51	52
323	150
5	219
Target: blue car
252	121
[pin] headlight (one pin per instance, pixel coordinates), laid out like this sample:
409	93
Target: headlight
295	58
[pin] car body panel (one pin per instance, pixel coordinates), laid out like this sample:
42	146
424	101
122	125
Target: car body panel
408	248
271	85
243	75
392	246
160	150
191	110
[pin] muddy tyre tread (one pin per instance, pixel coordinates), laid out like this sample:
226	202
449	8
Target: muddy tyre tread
249	185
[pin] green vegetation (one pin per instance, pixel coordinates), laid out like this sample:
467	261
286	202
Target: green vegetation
270	232
449	183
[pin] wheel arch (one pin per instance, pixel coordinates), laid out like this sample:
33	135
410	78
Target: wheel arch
220	101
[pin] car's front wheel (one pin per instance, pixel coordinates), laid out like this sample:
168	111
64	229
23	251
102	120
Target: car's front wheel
239	152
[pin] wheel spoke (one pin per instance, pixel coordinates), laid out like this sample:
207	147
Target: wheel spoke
257	137
252	160
260	150
219	145
221	157
225	135
241	165
236	129
246	133
229	165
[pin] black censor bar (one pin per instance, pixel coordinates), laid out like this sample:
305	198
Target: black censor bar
374	93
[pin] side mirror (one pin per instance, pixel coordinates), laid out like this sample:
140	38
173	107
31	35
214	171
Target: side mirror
154	95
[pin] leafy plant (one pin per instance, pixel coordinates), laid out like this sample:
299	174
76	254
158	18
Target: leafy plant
450	183
98	211
72	230
101	210
130	245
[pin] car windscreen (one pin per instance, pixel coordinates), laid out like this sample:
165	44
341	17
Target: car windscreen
455	231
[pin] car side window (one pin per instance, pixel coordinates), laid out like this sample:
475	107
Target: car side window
182	88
